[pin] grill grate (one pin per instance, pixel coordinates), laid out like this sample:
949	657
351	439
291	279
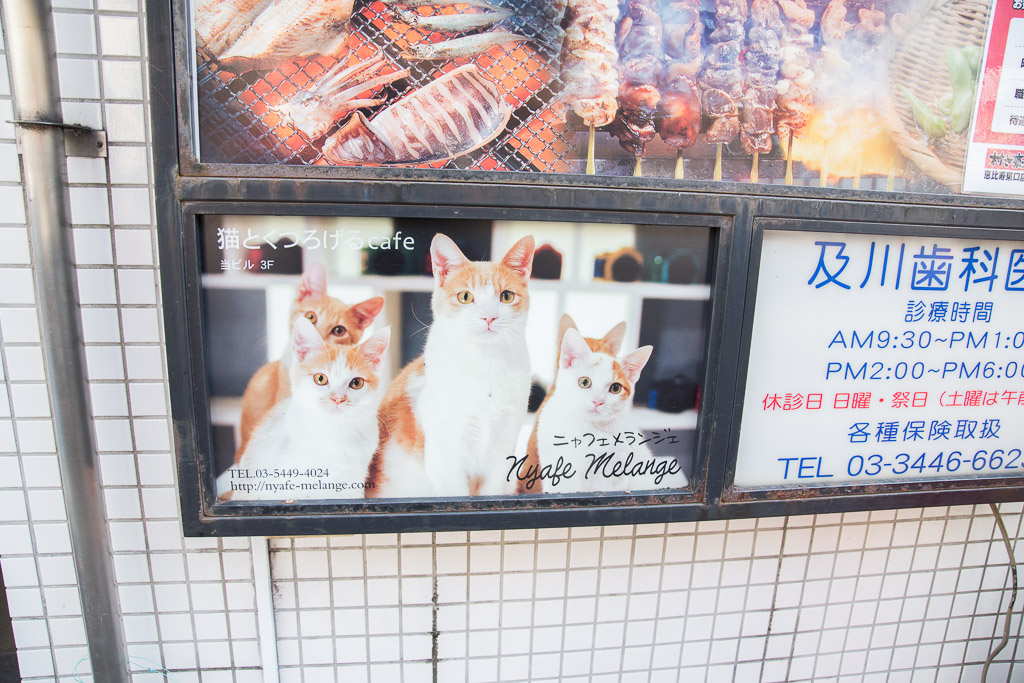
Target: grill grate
239	125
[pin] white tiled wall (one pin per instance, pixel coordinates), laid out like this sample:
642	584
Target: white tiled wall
889	596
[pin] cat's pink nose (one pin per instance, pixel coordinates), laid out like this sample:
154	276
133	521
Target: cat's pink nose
489	321
338	399
597	402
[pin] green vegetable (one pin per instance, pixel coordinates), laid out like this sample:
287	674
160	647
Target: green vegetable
930	124
962	79
945	103
973	55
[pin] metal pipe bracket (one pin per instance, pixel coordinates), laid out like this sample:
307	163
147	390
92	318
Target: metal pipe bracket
79	141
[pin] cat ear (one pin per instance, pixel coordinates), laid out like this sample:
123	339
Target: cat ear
520	257
445	256
373	348
634	362
366	311
565	323
574	348
305	339
614	338
314	283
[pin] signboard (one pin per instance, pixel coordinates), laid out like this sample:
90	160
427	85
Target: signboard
882	359
684	90
377	360
995	153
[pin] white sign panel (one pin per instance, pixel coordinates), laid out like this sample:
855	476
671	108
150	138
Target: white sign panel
878	358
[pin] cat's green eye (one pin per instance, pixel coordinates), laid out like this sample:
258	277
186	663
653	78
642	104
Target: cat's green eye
614	388
311	317
464	297
338	330
508	296
585	382
356	383
320	378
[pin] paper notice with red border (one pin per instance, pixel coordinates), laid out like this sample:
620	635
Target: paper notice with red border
995	150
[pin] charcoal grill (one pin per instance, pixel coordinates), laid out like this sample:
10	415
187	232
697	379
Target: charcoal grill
237	124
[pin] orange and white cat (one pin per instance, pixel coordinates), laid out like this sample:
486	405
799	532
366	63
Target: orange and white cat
452	416
324	433
608	344
585	437
336	322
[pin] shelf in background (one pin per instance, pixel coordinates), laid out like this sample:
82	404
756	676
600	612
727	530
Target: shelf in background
424	283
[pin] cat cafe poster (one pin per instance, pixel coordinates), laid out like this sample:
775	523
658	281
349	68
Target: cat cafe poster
386	358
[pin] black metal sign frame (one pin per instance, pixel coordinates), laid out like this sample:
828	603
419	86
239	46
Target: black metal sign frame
738	214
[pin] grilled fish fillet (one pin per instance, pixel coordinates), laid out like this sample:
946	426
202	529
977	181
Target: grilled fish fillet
277	31
454	114
218	24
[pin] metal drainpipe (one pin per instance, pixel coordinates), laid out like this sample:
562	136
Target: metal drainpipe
32	55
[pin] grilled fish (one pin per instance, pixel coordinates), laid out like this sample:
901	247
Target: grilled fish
466	46
218	24
452	23
281	31
452	115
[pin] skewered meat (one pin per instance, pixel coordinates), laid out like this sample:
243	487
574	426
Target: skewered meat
679	122
721	79
312	112
760	66
639	45
793	97
589	58
282	31
452	115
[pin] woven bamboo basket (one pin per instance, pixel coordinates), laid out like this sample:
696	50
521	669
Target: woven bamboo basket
919	64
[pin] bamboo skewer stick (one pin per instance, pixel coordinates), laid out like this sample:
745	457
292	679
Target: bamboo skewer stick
890	182
718	161
856	175
638	170
590	151
680	171
789	160
753	168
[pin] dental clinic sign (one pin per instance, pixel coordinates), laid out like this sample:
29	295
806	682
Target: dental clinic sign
882	359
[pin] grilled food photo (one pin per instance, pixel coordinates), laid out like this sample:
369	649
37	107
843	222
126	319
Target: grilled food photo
590	59
639	46
452	115
679	122
313	111
721	79
266	34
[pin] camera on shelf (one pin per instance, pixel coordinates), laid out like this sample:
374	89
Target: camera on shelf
622	265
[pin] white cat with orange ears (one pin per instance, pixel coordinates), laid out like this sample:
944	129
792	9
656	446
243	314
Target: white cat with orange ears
335	321
451	417
317	442
585	431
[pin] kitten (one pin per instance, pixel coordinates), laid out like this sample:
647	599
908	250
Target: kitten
584	437
608	344
452	416
336	322
325	432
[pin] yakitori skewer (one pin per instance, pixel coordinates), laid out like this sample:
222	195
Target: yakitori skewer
589	60
682	32
638	42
